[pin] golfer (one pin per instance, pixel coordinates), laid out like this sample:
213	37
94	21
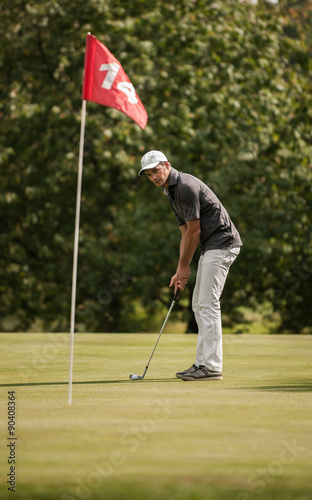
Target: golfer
203	220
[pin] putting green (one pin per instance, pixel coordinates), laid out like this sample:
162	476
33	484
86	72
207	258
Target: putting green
248	436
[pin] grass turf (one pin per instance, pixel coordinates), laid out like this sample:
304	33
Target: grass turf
248	436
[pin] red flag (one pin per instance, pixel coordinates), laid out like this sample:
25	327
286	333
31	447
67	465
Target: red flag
106	83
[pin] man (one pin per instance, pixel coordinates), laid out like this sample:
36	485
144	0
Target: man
203	220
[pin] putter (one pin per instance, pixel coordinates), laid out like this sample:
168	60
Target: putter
138	377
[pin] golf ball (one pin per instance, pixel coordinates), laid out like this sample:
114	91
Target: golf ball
133	377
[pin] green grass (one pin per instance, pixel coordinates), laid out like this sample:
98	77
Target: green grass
246	437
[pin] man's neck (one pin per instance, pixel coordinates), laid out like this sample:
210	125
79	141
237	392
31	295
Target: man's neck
167	181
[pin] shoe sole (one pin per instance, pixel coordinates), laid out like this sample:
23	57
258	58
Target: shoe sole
193	379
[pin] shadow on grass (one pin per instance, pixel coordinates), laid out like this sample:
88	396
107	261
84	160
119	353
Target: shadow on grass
303	387
91	382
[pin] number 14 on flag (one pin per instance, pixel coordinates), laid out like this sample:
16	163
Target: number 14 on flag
126	87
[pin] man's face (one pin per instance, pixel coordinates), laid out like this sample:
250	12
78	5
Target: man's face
159	174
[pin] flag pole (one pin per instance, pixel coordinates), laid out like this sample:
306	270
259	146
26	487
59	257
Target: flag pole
76	244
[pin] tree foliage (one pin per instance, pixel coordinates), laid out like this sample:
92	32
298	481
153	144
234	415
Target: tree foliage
228	93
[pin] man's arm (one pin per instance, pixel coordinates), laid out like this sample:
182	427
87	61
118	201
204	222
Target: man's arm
190	236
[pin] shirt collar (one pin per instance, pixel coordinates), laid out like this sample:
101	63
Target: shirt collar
172	180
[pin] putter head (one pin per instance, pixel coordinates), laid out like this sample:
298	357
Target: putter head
135	377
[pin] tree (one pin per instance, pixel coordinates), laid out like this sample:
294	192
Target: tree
227	90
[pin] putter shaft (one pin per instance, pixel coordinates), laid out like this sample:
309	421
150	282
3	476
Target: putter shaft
175	298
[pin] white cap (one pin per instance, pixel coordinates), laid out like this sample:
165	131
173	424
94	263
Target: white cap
151	160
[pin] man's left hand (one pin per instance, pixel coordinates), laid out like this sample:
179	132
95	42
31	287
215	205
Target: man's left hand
183	274
181	277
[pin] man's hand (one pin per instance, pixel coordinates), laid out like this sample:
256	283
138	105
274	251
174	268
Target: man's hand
183	274
180	279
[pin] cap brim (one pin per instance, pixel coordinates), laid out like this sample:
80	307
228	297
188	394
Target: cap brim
151	165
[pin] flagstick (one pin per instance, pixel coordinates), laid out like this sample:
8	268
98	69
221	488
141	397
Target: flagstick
76	243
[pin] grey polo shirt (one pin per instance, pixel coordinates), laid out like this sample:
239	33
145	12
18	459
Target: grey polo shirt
191	199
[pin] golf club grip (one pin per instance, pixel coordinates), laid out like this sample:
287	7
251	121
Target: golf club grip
176	295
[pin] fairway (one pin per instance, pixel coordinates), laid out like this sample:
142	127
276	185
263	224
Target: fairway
248	436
